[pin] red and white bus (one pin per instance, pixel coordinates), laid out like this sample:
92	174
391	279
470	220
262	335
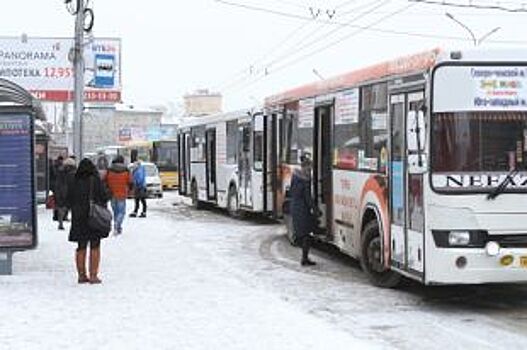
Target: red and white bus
419	164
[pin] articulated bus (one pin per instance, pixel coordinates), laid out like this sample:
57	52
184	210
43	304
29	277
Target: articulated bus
419	164
221	161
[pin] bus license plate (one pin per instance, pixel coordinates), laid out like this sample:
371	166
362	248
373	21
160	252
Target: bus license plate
523	261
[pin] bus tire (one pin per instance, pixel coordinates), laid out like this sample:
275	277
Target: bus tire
196	204
233	207
371	261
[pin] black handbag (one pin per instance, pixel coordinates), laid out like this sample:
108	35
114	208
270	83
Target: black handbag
99	216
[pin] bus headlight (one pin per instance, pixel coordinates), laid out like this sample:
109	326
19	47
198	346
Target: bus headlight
492	248
459	238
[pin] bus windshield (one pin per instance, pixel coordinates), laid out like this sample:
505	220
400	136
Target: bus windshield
166	155
479	142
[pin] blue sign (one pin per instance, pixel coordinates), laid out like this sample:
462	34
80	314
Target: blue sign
104	71
17	198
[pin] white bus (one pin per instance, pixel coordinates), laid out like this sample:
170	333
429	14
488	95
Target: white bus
220	161
419	164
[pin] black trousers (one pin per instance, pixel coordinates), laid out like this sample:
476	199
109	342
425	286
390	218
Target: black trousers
141	200
305	243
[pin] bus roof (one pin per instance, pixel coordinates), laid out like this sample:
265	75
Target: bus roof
402	66
215	118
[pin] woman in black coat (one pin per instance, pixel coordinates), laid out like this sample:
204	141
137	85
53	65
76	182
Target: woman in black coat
87	182
303	209
63	179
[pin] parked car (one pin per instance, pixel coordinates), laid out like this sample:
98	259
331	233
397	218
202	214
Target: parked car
154	189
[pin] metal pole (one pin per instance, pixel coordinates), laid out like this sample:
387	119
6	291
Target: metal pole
474	40
78	101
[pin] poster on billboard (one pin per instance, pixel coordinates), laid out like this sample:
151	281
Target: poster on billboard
43	67
17	202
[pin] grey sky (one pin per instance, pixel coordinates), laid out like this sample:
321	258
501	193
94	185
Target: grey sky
174	47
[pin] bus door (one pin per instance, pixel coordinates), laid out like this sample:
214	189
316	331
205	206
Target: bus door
322	167
270	166
181	164
210	137
406	187
184	163
257	162
244	165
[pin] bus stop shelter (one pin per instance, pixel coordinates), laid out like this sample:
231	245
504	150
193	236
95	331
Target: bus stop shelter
18	207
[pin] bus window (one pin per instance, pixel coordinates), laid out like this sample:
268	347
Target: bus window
373	124
258	150
198	144
232	132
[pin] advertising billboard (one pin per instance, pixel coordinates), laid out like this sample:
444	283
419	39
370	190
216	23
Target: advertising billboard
17	202
43	66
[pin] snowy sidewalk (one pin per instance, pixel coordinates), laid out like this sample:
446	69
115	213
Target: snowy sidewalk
159	291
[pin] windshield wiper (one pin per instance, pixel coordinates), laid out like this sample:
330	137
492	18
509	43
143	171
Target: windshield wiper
503	185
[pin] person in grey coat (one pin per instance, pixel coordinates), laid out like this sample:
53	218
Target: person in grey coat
303	210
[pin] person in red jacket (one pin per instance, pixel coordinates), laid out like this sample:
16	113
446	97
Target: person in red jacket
118	179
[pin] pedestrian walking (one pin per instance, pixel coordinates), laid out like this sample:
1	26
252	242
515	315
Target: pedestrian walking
64	178
139	176
102	167
87	187
53	170
303	210
118	180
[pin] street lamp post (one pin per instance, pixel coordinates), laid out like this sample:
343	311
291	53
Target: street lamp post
78	101
475	40
79	9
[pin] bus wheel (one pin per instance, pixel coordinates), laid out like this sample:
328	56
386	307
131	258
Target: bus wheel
195	197
232	203
371	261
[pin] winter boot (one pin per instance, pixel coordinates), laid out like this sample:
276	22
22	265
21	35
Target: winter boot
80	260
133	215
143	215
95	258
306	245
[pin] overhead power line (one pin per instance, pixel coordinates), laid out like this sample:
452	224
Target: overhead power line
470	4
302	45
256	66
370	29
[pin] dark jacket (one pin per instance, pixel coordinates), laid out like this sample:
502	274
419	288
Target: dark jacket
64	178
78	200
302	205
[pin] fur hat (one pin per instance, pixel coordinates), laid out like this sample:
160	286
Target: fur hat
69	162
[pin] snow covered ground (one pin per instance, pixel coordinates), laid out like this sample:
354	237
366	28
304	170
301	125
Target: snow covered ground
162	289
185	279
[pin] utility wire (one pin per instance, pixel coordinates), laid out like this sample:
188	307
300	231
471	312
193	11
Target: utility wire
325	47
497	5
295	50
325	36
371	29
253	68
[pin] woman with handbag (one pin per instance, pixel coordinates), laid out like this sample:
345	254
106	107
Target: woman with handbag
87	196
